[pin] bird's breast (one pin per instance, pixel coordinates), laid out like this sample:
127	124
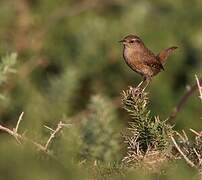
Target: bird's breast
133	59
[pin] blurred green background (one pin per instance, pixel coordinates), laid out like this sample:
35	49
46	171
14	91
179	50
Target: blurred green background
70	63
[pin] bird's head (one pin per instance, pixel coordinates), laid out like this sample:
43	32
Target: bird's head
132	41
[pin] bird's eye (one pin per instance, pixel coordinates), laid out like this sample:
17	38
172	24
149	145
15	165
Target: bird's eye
134	40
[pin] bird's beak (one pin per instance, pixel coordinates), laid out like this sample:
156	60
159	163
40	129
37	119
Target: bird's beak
122	41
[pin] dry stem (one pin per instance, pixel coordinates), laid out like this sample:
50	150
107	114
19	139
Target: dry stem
183	155
20	137
52	136
199	87
185	97
18	122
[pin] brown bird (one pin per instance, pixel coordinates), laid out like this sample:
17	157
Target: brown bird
143	61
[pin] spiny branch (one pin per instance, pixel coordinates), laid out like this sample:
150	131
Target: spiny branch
183	155
20	137
52	136
190	150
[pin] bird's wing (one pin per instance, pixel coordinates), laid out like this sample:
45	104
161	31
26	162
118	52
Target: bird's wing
163	55
151	60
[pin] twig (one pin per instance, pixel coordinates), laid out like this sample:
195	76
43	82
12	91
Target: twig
199	87
52	136
185	135
18	137
183	155
49	128
12	133
181	137
184	98
198	156
18	122
196	133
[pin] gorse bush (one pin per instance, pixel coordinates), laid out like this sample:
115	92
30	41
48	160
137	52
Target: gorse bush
6	67
148	132
100	135
145	134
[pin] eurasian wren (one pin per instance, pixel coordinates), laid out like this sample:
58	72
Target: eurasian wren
143	61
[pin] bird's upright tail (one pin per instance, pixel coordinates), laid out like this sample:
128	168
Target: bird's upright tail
163	55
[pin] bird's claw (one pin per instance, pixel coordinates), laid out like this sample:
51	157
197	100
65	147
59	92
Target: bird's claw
141	85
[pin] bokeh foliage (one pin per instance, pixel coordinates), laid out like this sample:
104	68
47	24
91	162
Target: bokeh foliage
68	51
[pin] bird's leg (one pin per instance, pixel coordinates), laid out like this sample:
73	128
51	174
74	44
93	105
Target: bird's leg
148	80
140	83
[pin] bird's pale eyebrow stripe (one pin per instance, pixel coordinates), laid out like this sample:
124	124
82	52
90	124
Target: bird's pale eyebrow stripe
136	39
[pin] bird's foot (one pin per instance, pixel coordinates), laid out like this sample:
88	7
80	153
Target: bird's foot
134	89
145	87
140	86
147	84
